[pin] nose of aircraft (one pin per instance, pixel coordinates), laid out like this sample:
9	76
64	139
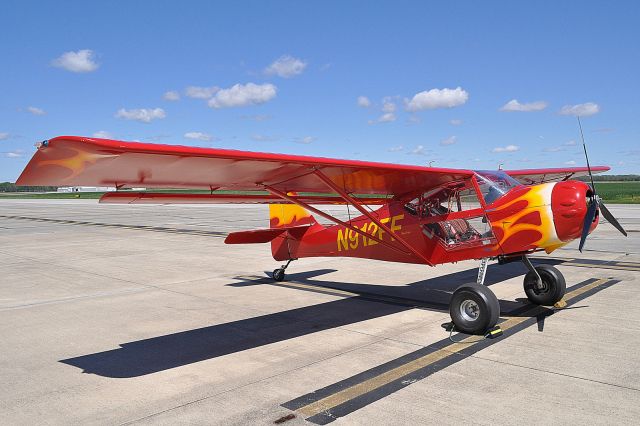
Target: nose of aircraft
569	203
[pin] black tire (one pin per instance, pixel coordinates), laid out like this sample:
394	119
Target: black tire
554	286
278	274
474	309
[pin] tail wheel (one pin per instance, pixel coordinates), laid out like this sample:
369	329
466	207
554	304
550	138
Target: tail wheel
553	286
474	309
278	274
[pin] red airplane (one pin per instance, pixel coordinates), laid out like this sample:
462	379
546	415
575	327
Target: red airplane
422	215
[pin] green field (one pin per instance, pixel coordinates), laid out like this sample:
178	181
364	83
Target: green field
619	192
613	192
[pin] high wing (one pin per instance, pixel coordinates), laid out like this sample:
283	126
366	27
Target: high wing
79	161
536	176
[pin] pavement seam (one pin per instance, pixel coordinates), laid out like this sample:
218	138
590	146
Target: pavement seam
147	286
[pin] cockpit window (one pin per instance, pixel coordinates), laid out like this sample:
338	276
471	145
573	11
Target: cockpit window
494	184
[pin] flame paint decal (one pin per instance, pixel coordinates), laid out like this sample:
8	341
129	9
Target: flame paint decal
525	222
288	215
77	162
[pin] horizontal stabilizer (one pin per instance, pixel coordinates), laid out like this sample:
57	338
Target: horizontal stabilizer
264	235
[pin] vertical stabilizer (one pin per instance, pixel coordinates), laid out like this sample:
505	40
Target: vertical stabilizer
285	246
287	215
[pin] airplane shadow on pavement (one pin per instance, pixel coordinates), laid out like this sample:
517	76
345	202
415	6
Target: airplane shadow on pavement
141	357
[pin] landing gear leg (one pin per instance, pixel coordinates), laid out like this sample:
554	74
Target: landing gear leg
278	274
544	284
474	308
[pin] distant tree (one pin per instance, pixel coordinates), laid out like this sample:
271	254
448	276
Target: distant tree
12	187
611	178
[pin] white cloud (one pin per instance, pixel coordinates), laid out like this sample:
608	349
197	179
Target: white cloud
243	95
389	112
387	117
103	134
145	115
205	137
18	153
397	148
554	149
263	138
305	140
570	163
508	148
36	111
419	150
581	110
80	61
4	135
455	122
570	143
438	98
363	102
448	141
388	106
198	92
514	105
286	66
171	95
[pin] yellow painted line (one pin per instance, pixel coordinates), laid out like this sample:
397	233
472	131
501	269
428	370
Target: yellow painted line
387	377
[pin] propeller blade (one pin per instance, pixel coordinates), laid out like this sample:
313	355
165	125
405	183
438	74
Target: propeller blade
588	220
584	146
612	220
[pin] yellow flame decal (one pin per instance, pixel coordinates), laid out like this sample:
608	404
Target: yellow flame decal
515	226
286	214
77	162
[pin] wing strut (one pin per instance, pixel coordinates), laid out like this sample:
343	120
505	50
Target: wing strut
368	214
304	205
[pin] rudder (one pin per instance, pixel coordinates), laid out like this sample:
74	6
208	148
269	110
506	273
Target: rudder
285	246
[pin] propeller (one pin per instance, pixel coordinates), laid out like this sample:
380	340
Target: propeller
595	203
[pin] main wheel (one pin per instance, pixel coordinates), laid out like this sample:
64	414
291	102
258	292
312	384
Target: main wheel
553	286
278	274
474	309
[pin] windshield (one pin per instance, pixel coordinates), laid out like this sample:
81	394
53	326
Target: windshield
494	184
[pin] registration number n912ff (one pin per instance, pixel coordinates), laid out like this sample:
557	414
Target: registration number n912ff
349	239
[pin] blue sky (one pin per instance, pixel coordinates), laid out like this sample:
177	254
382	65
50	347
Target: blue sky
404	82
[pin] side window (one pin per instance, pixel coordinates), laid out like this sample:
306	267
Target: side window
460	233
494	184
452	233
455	197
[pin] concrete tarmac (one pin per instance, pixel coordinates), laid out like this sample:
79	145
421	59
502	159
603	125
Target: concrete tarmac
119	314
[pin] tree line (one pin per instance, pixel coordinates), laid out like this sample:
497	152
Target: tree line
12	187
611	178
